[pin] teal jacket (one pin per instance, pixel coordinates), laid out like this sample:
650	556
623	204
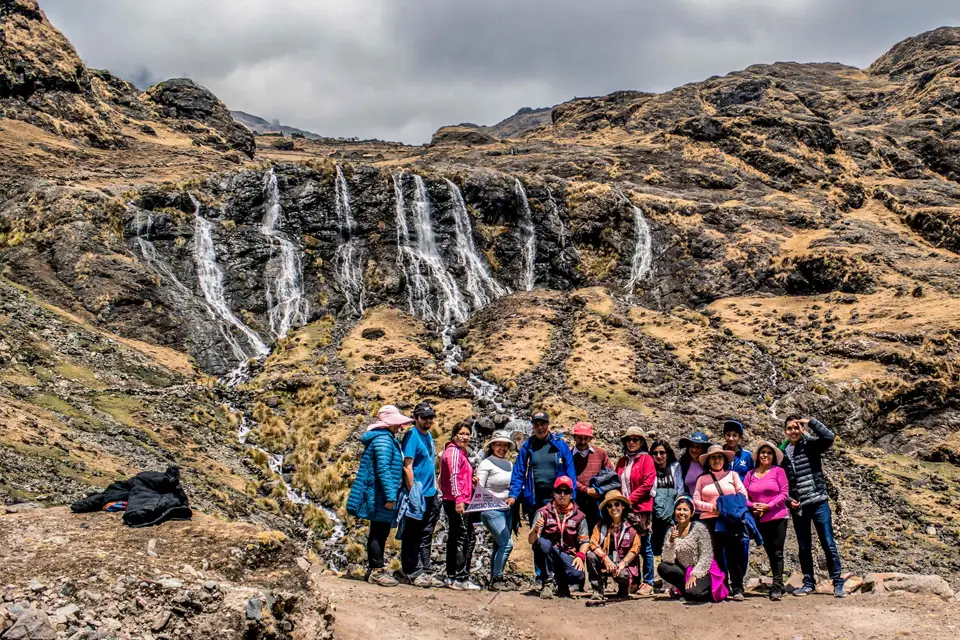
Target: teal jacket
378	479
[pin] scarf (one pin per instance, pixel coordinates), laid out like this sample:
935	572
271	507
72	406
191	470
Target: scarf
625	474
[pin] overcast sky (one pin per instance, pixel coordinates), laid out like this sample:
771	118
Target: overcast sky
399	69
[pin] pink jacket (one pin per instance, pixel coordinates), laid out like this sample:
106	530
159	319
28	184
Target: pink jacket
772	490
456	475
706	495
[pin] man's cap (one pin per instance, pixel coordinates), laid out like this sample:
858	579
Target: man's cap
540	416
733	425
583	429
424	410
563	481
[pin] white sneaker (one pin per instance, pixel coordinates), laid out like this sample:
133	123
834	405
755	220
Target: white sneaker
467	585
453	584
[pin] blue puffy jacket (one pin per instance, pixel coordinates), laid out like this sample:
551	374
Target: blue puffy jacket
378	479
521	484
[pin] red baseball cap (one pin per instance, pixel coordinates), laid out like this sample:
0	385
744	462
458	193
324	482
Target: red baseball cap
563	481
583	429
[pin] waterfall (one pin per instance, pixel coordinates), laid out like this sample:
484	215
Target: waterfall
480	285
528	234
347	259
642	262
211	284
143	223
285	302
432	292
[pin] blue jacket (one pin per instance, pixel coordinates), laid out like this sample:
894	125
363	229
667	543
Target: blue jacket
742	463
378	479
521	484
733	516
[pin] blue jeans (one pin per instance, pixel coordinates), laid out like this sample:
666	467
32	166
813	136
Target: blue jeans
499	524
819	515
553	564
646	552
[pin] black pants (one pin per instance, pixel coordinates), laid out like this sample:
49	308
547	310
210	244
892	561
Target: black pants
676	575
660	528
728	552
376	543
590	509
774	535
598	575
460	542
418	540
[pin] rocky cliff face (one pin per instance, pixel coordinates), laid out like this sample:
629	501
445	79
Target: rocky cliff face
782	238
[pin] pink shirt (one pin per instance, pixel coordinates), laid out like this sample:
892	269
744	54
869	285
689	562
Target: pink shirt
706	495
456	475
772	490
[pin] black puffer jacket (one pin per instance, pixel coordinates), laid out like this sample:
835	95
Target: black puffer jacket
805	469
152	497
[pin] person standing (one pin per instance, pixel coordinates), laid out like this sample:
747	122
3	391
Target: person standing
614	548
767	495
456	489
560	542
638	476
587	462
375	488
742	463
809	499
668	487
542	459
419	465
687	555
718	481
690	466
494	474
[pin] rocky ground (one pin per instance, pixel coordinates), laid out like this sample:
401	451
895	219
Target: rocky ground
783	238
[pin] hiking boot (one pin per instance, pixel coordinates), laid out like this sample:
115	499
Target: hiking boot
737	596
776	594
499	584
467	585
838	591
563	592
645	589
547	591
805	590
623	591
598	596
382	578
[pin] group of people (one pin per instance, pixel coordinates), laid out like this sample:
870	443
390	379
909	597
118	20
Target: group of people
593	520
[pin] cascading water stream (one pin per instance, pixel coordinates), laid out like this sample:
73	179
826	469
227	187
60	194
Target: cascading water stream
642	261
286	304
144	225
528	234
347	259
480	285
556	212
432	292
211	284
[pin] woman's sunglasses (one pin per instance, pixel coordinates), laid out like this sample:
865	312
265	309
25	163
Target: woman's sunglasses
659	453
631	439
616	505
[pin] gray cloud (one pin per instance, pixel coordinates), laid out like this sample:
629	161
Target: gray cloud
399	69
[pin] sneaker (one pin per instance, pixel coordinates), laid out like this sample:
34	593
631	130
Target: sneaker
425	580
547	591
805	590
776	594
645	589
382	578
737	596
623	593
598	596
436	582
838	591
402	578
467	585
450	583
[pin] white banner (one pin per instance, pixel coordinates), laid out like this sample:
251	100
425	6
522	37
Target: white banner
483	500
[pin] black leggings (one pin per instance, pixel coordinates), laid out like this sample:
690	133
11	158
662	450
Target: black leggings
376	542
774	535
676	575
728	552
660	528
460	542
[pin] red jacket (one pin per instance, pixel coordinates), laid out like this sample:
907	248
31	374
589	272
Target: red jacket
643	477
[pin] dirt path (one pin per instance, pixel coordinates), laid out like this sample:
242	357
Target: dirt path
365	611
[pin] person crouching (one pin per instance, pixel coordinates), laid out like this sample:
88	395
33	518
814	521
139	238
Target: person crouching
560	541
614	548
